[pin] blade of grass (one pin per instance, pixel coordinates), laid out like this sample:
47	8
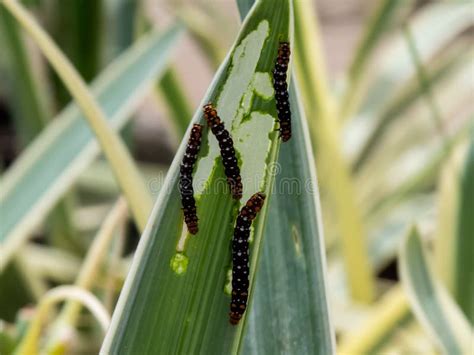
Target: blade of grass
410	200
465	269
420	147
431	304
434	27
170	86
121	22
51	164
81	43
69	314
176	100
7	342
309	61
51	264
448	207
174	298
424	81
16	291
455	229
99	180
277	284
244	7
30	343
335	173
31	106
32	111
197	23
290	302
95	256
336	177
117	154
422	178
384	316
114	279
377	25
406	97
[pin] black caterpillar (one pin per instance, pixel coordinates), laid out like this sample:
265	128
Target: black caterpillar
226	145
281	90
186	179
240	256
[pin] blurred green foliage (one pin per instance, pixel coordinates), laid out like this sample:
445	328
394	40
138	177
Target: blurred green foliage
382	132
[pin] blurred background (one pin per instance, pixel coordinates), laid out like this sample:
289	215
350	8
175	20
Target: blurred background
341	27
403	88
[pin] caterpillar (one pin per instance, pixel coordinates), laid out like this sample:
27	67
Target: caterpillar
186	179
281	90
226	146
240	256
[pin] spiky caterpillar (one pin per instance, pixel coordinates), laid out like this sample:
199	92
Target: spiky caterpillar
226	146
281	90
240	256
186	179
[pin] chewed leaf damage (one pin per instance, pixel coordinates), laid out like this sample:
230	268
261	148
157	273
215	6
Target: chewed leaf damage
241	79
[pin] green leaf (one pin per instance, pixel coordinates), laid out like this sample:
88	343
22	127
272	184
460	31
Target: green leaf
378	326
178	104
290	311
403	99
29	103
50	165
378	23
465	241
125	170
310	65
421	178
7	343
454	242
375	28
408	200
121	24
16	292
209	41
244	7
431	304
174	298
82	44
333	167
434	26
294	234
32	111
170	87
